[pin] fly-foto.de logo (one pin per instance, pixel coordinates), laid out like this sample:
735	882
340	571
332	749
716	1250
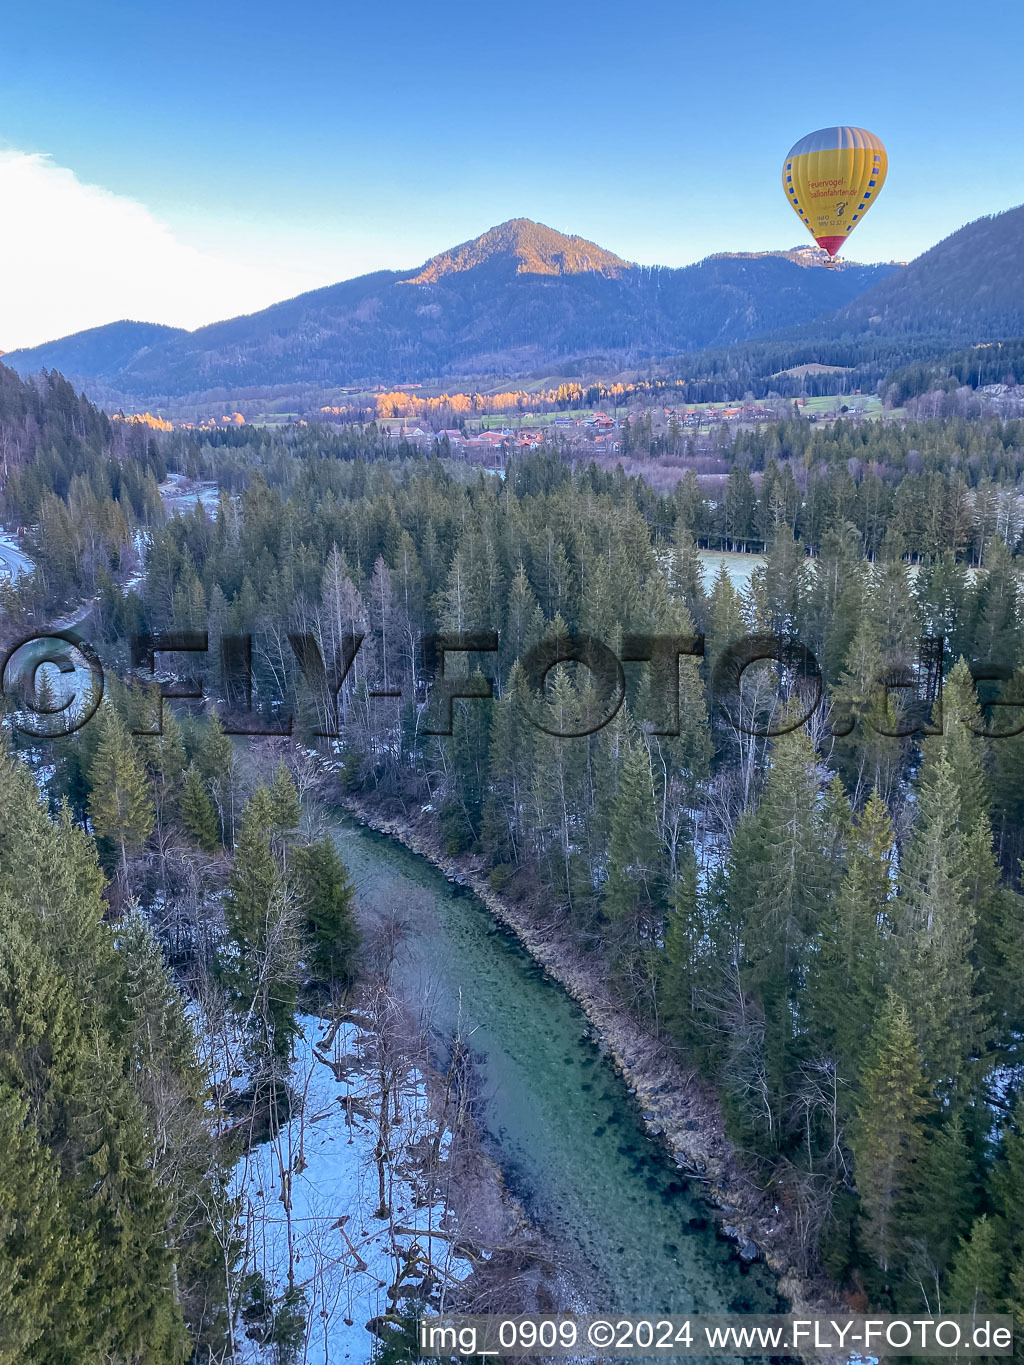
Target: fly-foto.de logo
903	699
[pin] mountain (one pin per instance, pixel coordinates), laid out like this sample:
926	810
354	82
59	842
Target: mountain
519	297
536	249
100	350
969	287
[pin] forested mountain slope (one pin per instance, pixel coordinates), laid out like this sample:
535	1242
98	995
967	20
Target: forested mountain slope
98	350
518	297
969	286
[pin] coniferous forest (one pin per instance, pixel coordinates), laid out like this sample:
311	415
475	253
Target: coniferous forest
815	911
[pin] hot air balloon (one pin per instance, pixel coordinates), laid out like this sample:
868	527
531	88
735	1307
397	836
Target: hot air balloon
831	178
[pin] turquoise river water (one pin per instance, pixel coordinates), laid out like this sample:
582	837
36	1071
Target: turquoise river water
557	1117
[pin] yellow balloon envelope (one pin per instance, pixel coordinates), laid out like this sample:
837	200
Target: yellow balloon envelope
831	178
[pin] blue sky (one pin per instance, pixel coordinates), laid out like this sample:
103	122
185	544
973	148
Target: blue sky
293	145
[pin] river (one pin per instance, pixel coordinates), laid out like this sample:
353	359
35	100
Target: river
556	1115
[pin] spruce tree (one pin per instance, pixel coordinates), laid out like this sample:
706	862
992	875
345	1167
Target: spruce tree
1015	1300
944	1199
688	967
976	1279
1007	1190
215	759
284	799
327	897
998	949
686	575
258	915
255	878
197	813
109	1156
935	924
120	806
524	620
779	877
846	973
633	892
506	827
37	1248
886	1135
558	787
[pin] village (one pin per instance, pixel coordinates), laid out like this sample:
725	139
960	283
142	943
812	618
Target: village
633	431
508	428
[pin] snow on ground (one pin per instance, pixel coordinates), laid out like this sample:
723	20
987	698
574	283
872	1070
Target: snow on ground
310	1196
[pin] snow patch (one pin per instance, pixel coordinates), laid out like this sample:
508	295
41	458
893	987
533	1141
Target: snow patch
310	1196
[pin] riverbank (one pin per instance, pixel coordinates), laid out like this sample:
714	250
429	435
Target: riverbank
362	1203
678	1107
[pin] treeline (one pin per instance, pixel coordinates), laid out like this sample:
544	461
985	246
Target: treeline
757	367
917	488
452	409
1001	362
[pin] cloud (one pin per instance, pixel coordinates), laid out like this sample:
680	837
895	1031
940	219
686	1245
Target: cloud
77	256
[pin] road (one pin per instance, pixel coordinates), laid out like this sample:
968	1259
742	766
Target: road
12	561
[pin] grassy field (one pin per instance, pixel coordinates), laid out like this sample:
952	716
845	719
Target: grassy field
867	405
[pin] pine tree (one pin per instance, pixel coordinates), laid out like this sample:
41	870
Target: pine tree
197	813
